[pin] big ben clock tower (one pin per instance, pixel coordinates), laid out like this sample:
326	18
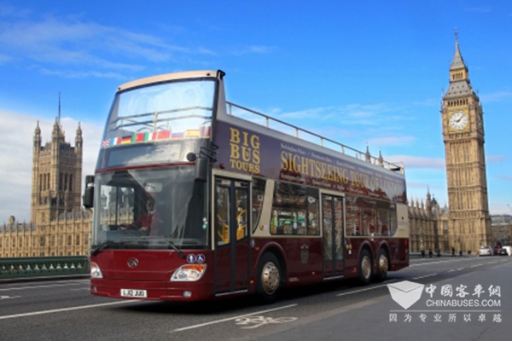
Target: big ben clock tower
463	135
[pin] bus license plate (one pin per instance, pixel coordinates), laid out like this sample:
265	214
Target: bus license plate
133	293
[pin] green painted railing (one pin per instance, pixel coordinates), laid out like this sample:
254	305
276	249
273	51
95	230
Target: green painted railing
417	255
43	266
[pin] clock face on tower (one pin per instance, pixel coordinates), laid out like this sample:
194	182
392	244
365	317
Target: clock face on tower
458	121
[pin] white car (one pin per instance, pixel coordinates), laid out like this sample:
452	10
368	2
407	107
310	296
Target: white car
506	250
485	251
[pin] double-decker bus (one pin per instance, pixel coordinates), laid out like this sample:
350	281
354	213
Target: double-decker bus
196	198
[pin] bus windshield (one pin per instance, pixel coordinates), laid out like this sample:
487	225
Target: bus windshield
150	209
158	123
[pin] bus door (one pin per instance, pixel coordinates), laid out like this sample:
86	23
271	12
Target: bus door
333	239
231	235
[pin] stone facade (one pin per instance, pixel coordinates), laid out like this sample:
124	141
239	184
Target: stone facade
429	226
59	226
463	135
466	225
69	234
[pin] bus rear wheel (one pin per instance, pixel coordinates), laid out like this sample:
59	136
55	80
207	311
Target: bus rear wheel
268	281
382	266
365	267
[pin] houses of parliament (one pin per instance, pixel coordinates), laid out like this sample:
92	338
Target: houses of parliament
59	226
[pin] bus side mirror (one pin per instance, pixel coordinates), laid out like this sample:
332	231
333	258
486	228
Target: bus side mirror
202	169
88	197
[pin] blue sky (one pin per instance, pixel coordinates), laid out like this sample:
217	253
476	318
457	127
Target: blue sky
364	73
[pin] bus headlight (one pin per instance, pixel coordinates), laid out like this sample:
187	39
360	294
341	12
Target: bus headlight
95	271
190	272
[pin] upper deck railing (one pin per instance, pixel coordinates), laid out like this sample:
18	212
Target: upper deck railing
312	137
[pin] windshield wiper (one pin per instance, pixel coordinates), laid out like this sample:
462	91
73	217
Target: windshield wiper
101	247
173	246
109	243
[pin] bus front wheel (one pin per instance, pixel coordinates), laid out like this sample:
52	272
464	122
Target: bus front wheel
365	267
268	279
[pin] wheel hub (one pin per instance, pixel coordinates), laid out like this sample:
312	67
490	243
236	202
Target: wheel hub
366	267
383	265
270	278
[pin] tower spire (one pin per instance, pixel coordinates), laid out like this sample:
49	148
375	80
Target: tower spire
58	118
458	61
367	154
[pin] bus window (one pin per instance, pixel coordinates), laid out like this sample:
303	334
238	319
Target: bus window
222	219
369	217
392	219
118	204
313	212
241	213
383	214
294	210
258	193
353	217
361	216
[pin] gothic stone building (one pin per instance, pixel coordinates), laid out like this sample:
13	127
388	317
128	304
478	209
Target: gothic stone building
58	226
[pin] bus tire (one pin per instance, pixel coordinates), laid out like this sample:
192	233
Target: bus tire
365	267
268	278
382	266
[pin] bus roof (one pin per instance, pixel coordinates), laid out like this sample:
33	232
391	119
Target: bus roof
167	77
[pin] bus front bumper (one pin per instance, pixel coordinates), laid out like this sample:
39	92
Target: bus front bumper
168	291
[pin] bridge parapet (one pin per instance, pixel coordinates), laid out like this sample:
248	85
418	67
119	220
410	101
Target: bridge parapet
11	268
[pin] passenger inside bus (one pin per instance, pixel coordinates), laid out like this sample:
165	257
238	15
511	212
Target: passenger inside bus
150	221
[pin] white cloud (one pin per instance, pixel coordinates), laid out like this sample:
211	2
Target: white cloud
261	49
59	42
496	97
252	49
495	159
352	114
499	208
82	74
75	43
10	11
411	162
481	9
4	58
424	187
16	154
391	141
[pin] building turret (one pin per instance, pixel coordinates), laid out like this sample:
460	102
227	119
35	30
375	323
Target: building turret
37	137
36	180
77	184
381	160
428	204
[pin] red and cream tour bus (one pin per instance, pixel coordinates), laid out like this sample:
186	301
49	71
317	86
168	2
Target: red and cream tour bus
196	198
